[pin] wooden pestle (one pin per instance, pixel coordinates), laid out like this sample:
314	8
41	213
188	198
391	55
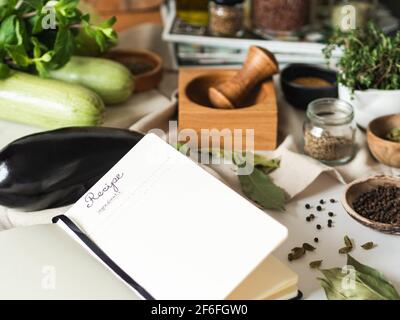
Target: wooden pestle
260	64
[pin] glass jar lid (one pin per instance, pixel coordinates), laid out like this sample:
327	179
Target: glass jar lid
228	2
330	111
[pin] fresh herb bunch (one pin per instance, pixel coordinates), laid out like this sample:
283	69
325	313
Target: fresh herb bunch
40	35
371	59
394	135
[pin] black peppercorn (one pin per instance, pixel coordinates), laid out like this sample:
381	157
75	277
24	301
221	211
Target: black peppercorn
319	208
330	214
312	216
333	200
308	206
322	201
308	219
316	239
319	227
381	204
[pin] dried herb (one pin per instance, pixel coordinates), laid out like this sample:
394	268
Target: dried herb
348	246
345	250
368	245
257	185
357	282
316	264
394	135
296	253
348	242
371	59
308	247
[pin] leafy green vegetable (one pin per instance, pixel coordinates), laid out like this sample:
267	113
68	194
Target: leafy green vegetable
359	282
38	36
371	59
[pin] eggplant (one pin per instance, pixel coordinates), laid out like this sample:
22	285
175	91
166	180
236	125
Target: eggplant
56	168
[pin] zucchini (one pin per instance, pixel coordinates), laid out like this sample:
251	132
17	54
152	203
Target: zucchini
48	103
112	81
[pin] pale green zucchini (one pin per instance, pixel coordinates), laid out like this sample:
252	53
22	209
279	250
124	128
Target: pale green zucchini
112	81
48	103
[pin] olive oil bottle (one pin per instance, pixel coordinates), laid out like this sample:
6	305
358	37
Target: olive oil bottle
194	12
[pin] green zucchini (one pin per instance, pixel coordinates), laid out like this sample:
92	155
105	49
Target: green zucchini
48	103
112	81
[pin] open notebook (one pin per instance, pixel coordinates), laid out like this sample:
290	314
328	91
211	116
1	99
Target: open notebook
157	226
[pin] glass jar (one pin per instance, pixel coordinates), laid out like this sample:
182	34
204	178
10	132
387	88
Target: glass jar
193	12
329	131
283	19
349	15
226	18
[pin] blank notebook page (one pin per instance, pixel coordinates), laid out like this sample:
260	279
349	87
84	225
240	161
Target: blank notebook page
174	228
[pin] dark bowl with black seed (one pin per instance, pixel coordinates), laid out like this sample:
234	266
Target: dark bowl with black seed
358	188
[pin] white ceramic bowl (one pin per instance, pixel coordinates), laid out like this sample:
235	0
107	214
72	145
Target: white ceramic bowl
371	104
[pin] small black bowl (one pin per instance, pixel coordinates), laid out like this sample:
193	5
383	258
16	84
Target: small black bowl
300	96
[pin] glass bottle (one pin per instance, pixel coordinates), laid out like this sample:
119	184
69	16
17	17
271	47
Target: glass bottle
283	19
226	18
193	12
329	131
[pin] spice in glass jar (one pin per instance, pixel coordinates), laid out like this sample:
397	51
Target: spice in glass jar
226	18
280	18
329	131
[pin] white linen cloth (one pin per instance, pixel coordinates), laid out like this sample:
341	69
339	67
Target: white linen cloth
155	108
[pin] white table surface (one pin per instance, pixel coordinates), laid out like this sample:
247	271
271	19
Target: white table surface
385	257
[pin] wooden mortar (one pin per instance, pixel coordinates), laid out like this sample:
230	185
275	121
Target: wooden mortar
260	65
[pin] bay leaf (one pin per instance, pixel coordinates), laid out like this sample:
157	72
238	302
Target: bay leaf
330	291
375	279
268	165
365	284
259	187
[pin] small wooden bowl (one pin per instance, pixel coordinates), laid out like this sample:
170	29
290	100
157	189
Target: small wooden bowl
356	188
132	59
385	151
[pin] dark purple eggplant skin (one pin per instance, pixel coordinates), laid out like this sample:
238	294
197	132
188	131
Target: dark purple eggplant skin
56	168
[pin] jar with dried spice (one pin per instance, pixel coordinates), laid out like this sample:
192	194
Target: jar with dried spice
284	19
226	18
329	131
